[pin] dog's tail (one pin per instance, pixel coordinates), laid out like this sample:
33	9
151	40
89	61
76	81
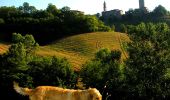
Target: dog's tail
20	90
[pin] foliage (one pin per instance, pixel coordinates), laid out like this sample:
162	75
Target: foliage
47	25
14	63
144	75
160	11
26	8
1	21
21	64
123	28
136	16
103	70
52	71
148	61
52	9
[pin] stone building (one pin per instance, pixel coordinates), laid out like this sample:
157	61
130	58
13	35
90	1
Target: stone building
106	14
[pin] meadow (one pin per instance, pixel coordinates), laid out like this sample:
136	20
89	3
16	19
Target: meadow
78	49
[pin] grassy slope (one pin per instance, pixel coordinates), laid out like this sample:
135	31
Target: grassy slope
80	48
3	47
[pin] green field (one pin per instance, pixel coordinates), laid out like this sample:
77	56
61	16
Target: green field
80	48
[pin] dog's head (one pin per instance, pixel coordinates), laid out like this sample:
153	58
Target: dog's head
94	94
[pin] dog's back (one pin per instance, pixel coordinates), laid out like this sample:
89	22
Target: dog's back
56	93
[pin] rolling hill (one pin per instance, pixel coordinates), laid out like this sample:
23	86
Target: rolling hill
80	48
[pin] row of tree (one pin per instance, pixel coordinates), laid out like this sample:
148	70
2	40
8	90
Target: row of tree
46	25
136	16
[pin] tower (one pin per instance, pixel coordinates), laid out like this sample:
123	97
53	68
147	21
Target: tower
141	4
104	6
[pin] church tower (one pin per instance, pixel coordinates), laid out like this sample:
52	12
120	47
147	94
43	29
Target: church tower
104	6
141	4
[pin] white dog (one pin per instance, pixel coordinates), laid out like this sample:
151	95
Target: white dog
56	93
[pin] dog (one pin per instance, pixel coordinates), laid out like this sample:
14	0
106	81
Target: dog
57	93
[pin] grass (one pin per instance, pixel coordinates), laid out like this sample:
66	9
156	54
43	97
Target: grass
80	48
3	47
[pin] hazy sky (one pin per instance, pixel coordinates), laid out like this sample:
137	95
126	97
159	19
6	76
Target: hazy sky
89	6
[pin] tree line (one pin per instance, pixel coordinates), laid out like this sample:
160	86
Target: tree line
46	25
136	16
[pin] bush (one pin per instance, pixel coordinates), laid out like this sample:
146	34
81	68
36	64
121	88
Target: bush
52	71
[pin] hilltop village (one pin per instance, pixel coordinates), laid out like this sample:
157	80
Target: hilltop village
118	13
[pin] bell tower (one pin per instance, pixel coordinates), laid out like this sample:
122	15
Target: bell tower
141	4
104	6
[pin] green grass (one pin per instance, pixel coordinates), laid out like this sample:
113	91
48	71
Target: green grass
80	48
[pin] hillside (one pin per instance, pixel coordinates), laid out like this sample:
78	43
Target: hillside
80	48
3	47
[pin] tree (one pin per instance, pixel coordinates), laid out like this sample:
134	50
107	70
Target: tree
26	8
14	63
160	11
53	71
65	9
8	12
104	73
123	28
2	21
148	61
52	9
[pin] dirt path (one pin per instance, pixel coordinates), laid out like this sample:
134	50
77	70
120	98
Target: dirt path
121	46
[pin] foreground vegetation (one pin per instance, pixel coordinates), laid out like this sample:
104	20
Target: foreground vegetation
143	75
21	64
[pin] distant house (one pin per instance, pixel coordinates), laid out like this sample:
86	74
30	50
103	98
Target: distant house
77	12
116	13
107	14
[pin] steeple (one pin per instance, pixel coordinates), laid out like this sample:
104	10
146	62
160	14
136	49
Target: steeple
141	4
104	6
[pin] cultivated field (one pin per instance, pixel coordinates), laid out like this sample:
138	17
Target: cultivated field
80	48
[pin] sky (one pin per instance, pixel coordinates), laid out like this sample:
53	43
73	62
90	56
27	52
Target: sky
89	6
